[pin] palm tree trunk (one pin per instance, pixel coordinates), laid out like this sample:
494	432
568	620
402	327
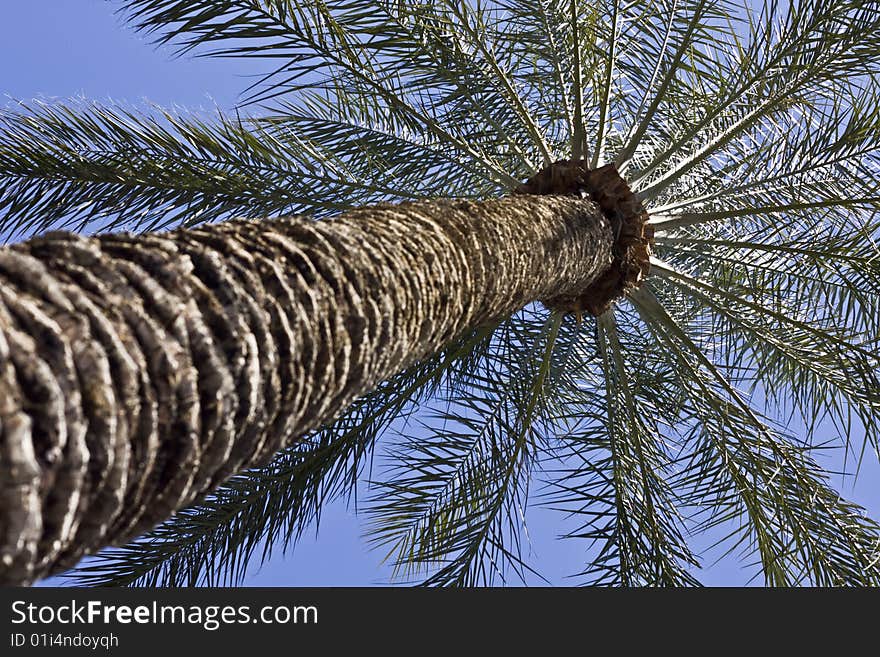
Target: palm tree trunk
137	372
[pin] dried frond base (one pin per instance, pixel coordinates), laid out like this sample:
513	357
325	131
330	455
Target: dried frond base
634	238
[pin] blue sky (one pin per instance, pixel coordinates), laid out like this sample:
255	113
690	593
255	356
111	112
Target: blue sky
65	48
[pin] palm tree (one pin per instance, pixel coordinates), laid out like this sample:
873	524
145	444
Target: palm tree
142	372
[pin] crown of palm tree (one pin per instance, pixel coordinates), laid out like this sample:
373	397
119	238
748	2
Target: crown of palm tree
750	133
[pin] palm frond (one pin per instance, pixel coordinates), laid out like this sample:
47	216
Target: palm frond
89	166
620	473
821	366
453	502
800	527
375	52
795	60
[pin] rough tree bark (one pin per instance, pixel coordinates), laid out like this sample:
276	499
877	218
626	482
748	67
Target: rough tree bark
137	372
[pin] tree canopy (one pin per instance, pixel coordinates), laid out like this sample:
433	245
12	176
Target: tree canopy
750	132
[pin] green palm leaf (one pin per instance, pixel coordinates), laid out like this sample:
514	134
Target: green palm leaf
752	135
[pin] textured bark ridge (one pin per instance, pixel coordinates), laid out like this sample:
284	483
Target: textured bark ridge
139	372
634	238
